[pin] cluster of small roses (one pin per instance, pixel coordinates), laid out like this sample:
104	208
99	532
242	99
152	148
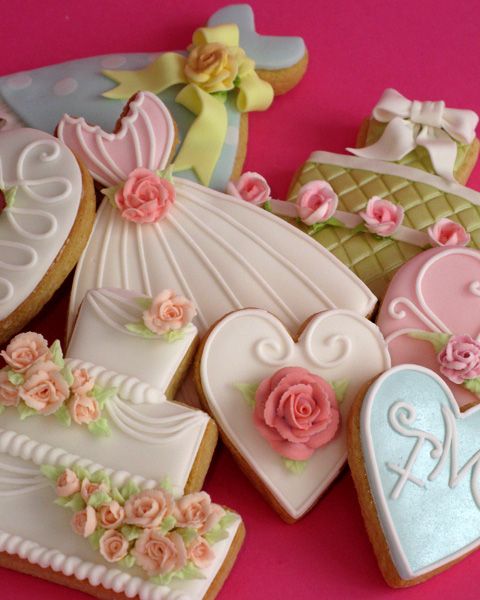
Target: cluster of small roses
37	381
165	537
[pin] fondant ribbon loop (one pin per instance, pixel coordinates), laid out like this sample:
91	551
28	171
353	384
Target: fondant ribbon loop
413	123
204	140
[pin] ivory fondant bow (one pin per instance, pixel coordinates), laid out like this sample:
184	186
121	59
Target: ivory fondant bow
215	66
413	123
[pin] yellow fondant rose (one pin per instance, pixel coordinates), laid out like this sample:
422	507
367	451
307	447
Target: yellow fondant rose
213	67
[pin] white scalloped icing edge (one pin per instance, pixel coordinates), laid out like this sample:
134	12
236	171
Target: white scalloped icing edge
19	445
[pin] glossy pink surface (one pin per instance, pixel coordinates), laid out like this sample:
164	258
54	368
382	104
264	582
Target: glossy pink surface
427	50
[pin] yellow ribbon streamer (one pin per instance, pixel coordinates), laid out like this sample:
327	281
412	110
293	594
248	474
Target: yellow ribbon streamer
203	143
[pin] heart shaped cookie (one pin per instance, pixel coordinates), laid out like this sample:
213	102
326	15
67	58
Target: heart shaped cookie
47	208
415	460
312	380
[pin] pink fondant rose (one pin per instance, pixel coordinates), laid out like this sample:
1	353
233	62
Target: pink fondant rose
84	522
44	390
316	202
250	187
113	546
148	508
200	553
448	233
296	412
88	488
145	197
197	511
82	382
382	217
25	350
8	392
460	359
84	409
111	515
158	554
67	484
168	312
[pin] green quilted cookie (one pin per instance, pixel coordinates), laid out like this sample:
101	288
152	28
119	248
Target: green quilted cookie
425	198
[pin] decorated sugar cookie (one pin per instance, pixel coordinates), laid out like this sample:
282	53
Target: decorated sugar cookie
109	532
430	317
414	460
113	393
228	71
281	403
154	231
47	207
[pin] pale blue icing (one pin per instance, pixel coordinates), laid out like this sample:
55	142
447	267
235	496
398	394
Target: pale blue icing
268	51
39	107
437	522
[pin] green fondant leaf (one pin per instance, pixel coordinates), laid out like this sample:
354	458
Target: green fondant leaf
129	489
100	476
237	81
166	484
168	524
74	502
51	472
437	339
94	539
228	519
140	329
100	427
25	411
130	532
268	206
102	394
333	222
117	496
57	354
63	415
9	195
144	303
166	173
215	535
80	472
128	562
98	498
220	96
297	467
472	385
109	193
174	335
316	228
67	375
188	534
359	229
189	571
2	409
248	391
15	378
340	388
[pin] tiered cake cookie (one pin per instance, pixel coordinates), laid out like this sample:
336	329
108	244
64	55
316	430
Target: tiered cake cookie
227	72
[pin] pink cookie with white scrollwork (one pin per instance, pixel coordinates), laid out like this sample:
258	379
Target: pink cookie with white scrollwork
430	316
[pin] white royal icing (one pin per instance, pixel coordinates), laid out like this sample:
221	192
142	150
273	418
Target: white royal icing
249	345
34	229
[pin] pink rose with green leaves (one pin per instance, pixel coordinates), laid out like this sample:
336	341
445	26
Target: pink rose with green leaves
382	217
158	554
168	312
44	389
316	202
67	484
84	409
148	508
197	510
460	359
25	350
200	553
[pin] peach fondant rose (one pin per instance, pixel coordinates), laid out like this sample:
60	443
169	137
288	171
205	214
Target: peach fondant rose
296	412
213	67
448	233
84	522
8	392
44	390
84	409
168	312
148	508
88	488
67	484
382	217
158	554
251	187
111	515
197	511
82	382
316	202
460	359
113	546
145	197
200	553
25	350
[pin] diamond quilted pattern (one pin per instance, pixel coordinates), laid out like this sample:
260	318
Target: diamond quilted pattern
376	260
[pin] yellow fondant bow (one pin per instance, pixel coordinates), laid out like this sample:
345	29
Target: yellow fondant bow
214	66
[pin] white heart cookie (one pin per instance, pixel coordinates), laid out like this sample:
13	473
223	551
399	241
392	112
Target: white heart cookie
250	345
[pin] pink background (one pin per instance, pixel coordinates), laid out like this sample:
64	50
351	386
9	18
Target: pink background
427	49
